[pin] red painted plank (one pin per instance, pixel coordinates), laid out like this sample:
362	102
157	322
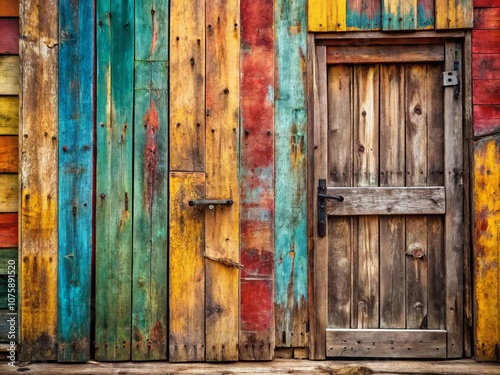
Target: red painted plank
486	119
486	92
8	230
485	66
9	154
9	40
485	41
257	176
9	8
487	18
486	3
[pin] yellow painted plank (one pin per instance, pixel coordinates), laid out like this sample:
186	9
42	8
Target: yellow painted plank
486	198
187	85
186	268
9	115
38	217
222	223
8	192
454	14
324	15
9	75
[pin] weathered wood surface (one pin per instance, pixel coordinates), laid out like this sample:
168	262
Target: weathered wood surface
187	85
222	223
9	193
257	181
486	250
9	75
486	3
9	29
326	16
399	15
5	256
9	8
389	343
113	235
39	193
425	14
9	115
486	91
384	54
8	230
9	154
150	201
485	41
387	201
290	224
364	15
186	268
4	296
277	367
487	18
485	66
453	14
486	119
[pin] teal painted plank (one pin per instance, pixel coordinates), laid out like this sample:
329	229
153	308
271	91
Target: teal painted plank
150	288
364	15
425	14
291	188
152	30
76	97
115	67
397	15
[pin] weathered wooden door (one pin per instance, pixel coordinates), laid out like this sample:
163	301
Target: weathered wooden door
388	254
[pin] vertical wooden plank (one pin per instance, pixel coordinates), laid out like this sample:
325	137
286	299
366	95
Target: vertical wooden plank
38	179
9	8
9	115
364	15
416	175
399	15
340	162
149	269
257	181
76	100
392	173
326	15
454	14
115	67
365	295
453	178
187	85
425	14
291	183
186	268
222	223
486	248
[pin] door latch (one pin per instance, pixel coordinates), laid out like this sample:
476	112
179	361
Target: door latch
451	78
210	203
322	197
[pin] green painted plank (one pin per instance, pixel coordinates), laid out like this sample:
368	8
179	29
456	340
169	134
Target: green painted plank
7	255
399	15
115	67
152	30
4	292
290	160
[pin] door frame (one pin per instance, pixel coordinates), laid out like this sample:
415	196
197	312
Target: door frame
459	343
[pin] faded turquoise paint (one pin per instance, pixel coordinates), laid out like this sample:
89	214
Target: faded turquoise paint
399	21
425	14
363	15
76	97
291	188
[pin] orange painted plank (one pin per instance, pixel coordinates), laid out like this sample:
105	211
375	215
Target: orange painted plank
9	154
487	18
485	41
8	230
9	31
9	8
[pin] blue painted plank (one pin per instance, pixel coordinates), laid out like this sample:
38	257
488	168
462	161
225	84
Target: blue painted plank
291	188
76	73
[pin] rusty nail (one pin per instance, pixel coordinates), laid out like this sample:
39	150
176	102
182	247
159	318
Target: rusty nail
400	19
65	148
191	61
363	113
178	124
213	130
102	125
27	196
198	124
247	132
45	134
269	132
226	91
86	147
74	209
176	38
26	136
153	11
103	195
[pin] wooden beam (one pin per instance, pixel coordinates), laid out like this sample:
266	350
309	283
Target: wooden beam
384	54
9	29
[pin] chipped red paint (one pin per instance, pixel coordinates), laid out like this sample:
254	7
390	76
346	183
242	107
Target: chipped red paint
152	125
257	179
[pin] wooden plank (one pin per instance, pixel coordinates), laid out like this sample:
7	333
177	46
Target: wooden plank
8	230
486	91
326	16
115	68
152	26
387	201
9	115
7	255
9	29
256	171
389	343
486	250
392	172
384	54
365	292
222	228
6	301
453	175
429	36
290	116
9	8
486	3
76	98
425	14
487	18
486	119
9	154
363	15
454	14
187	245
485	66
187	85
9	193
39	192
9	75
399	15
485	41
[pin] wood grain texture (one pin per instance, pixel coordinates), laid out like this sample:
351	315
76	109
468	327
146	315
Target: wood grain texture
257	181
187	85
486	250
222	229
9	29
5	256
485	41
326	15
9	192
486	119
487	18
114	198
486	3
39	193
9	8
364	15
291	293
9	115
9	154
399	15
8	230
486	92
186	269
384	54
9	75
425	14
485	66
454	14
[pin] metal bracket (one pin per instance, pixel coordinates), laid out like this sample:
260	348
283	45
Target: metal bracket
450	78
210	203
322	197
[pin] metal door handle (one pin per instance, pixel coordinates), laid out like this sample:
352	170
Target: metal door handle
210	203
322	206
339	198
